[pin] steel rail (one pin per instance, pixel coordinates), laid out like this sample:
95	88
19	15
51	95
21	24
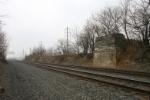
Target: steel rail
135	73
103	76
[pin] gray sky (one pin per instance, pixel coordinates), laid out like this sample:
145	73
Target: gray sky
30	21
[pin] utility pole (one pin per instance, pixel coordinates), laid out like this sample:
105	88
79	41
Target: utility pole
30	50
67	38
77	39
41	43
23	55
41	47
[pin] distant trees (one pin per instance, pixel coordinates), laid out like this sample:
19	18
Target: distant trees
3	41
61	47
3	44
76	40
51	51
37	52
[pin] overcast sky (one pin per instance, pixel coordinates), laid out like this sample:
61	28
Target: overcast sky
30	21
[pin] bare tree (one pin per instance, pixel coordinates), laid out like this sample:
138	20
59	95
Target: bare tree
37	52
140	17
105	22
61	47
76	37
125	9
3	44
109	19
51	51
90	33
84	43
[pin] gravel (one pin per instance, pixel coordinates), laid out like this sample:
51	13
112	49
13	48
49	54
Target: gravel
26	82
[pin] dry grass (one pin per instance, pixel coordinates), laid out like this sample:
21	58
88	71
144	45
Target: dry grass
133	58
78	60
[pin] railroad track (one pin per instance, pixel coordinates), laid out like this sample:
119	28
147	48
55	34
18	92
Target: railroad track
93	74
133	73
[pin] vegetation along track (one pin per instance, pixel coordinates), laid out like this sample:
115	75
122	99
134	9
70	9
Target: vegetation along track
136	86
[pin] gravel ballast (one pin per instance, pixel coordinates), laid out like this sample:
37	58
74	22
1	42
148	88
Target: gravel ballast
26	82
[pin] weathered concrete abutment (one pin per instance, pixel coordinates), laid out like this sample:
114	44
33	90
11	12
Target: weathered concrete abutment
107	50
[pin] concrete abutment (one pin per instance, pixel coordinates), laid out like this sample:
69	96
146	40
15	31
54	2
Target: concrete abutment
108	49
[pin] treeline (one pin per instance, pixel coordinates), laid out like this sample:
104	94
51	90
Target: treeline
3	41
3	44
130	17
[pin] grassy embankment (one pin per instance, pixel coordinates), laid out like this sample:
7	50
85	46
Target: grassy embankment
134	57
